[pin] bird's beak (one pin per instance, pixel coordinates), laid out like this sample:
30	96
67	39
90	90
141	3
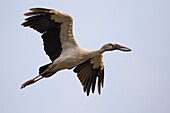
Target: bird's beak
123	48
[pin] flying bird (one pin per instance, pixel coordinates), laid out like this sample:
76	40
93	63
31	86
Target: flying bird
64	52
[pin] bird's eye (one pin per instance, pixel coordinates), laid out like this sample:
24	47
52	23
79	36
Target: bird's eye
110	44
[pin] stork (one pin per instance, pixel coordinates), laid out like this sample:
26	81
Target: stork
59	44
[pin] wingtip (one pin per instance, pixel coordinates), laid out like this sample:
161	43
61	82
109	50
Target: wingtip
39	9
36	10
27	14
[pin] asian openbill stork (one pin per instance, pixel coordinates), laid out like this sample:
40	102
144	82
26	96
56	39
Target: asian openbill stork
64	52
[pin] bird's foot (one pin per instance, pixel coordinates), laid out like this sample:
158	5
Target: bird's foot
27	83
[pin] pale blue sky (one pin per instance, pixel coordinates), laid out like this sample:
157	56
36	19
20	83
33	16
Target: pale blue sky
135	82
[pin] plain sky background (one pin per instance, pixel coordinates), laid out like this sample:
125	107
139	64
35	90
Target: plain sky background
135	82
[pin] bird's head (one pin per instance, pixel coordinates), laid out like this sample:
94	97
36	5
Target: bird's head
111	47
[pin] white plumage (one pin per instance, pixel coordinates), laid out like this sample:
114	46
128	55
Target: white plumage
64	52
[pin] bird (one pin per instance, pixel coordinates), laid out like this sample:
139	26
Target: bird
64	52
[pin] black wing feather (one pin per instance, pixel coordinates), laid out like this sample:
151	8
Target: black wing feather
40	20
87	76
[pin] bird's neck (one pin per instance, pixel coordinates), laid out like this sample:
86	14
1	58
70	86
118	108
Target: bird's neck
102	50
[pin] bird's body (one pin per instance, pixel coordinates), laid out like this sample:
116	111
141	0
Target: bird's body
64	52
71	58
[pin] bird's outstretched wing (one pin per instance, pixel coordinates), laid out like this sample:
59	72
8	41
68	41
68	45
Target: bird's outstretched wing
56	28
88	72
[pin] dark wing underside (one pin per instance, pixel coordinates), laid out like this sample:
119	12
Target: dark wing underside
40	20
88	76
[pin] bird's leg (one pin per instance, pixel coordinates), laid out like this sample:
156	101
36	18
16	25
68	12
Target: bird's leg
35	79
31	81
